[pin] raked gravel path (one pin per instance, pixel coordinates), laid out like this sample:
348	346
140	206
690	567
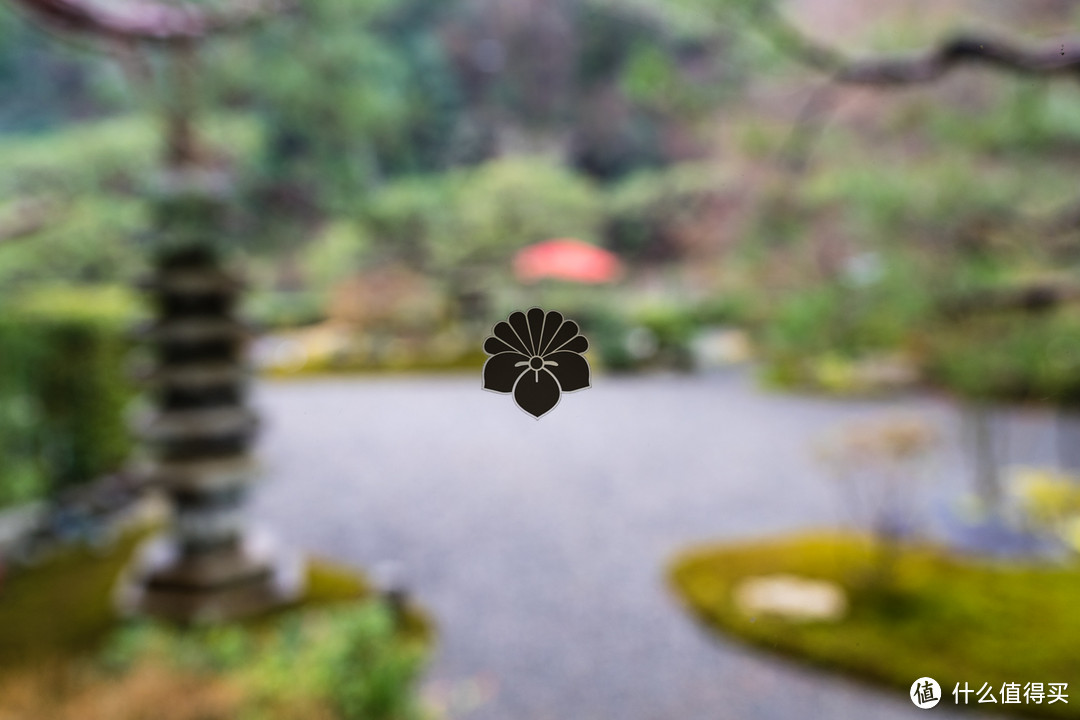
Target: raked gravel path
540	547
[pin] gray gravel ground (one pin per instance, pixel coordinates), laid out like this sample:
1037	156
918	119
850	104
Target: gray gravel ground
540	546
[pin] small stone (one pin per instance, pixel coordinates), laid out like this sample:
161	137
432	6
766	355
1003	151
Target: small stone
721	347
791	597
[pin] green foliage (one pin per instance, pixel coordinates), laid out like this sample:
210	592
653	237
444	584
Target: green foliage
92	175
349	92
722	310
653	80
758	42
849	319
269	310
1030	117
116	154
58	615
45	84
632	83
813	336
610	33
90	240
929	198
674	327
613	321
405	218
511	202
363	640
1010	357
481	216
946	617
643	211
62	390
608	330
802	323
649	76
963	179
337	252
953	222
350	657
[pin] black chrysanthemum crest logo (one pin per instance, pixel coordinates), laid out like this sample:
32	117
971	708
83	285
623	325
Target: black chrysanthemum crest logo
536	356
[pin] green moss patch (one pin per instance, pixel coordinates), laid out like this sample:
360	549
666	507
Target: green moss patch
60	607
956	620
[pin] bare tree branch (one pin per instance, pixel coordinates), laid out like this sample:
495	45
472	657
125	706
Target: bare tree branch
1000	54
1061	59
124	26
148	22
814	115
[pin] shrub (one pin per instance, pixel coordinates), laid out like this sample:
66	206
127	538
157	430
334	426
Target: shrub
625	337
350	659
931	202
512	202
62	390
673	328
643	213
275	310
845	320
106	154
406	216
608	332
92	174
88	240
477	218
722	310
336	253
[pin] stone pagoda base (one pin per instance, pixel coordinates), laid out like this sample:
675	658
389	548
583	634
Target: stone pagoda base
249	577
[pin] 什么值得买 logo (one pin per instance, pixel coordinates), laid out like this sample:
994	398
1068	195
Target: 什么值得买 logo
536	356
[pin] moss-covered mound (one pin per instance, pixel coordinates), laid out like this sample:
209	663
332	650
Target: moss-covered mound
956	620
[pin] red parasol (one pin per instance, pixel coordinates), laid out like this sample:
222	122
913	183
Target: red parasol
566	259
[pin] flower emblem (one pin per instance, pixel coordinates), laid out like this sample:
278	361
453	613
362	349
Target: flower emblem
537	357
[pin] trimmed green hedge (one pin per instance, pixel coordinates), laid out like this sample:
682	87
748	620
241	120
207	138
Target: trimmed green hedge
63	390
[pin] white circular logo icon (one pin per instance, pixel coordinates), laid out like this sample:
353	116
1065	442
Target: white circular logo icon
925	693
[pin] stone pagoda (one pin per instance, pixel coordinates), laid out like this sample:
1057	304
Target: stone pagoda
197	432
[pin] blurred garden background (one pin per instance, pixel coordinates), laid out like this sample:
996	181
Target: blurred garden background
833	439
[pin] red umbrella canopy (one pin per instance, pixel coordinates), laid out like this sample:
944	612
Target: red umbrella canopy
566	259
